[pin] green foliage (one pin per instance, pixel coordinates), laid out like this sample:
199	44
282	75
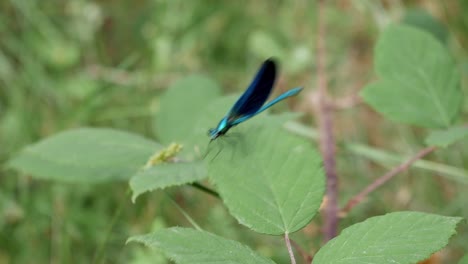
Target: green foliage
166	175
176	118
86	155
185	245
443	138
402	237
271	181
421	19
419	83
263	44
208	117
464	260
57	52
121	64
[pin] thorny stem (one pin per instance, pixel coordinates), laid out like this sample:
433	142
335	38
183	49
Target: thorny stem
327	140
385	178
288	245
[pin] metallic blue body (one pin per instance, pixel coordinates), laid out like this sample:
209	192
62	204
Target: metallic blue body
251	102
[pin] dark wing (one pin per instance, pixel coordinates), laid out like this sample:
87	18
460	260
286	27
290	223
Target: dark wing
257	92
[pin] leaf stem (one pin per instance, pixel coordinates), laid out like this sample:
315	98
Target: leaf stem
185	214
288	245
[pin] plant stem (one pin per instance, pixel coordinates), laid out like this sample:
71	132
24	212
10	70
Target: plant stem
327	140
288	245
385	178
306	256
99	253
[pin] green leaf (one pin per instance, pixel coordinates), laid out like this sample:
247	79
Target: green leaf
401	237
181	105
443	138
264	45
421	19
166	175
464	260
419	83
208	118
271	181
87	155
185	245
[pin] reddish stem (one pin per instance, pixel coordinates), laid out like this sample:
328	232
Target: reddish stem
327	140
385	178
306	256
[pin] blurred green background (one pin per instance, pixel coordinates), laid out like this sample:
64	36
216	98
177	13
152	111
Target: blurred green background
75	63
